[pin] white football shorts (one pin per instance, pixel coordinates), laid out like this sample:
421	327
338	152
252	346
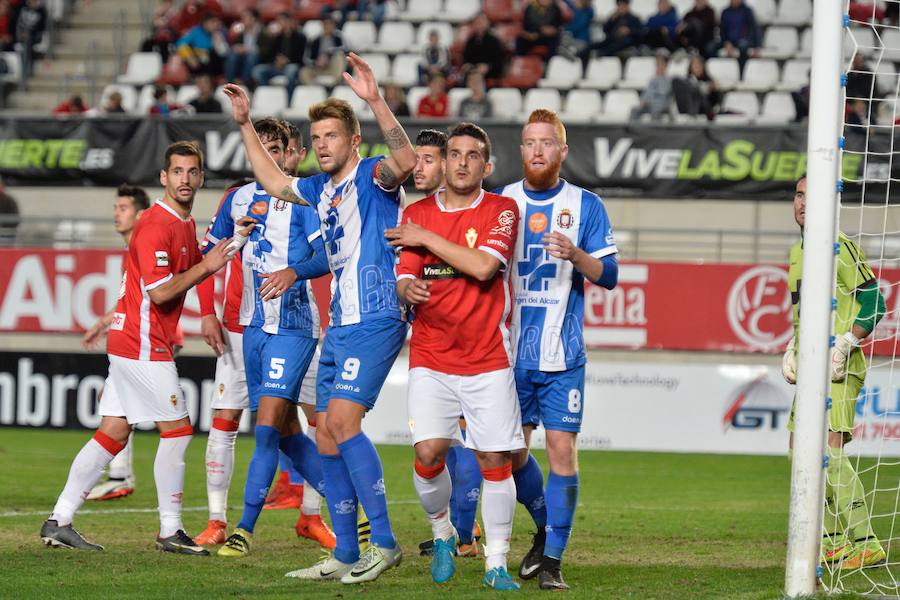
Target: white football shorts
231	379
142	391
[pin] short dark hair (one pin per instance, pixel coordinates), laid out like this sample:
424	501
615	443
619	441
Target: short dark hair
472	130
433	137
294	132
272	128
137	194
239	183
183	148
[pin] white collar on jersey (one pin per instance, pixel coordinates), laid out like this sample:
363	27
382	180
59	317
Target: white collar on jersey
172	210
330	187
437	200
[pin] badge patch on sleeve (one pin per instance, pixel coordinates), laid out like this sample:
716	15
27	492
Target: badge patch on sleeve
162	258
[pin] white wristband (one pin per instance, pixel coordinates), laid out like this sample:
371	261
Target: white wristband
237	242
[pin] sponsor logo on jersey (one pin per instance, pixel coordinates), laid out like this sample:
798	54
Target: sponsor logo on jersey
537	222
118	323
276	386
565	218
346	387
162	258
260	207
471	237
505	222
498	243
439	271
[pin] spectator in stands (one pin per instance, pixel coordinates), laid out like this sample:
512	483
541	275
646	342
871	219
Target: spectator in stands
577	35
739	35
858	113
483	50
396	100
161	105
9	217
435	58
244	51
377	11
73	106
163	33
801	103
203	47
205	102
542	25
436	104
7	27
281	50
193	13
622	30
476	106
862	83
656	100
698	93
326	55
31	23
659	32
112	106
697	29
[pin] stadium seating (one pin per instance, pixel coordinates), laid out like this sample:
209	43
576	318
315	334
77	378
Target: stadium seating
743	105
312	29
506	103
269	101
143	68
444	29
794	75
524	72
359	35
413	96
311	9
344	92
186	94
456	96
395	37
499	11
13	65
129	96
891	40
765	11
639	70
643	9
678	67
461	11
725	71
422	10
561	73
862	40
777	108
405	69
602	73
805	44
174	72
304	96
540	98
794	12
581	106
760	75
380	63
617	105
780	42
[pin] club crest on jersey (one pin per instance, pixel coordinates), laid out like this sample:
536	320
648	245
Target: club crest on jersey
537	222
118	323
221	390
174	400
471	237
280	204
162	258
505	222
565	218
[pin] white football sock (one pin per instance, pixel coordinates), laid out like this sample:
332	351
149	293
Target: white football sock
121	466
434	495
312	500
219	466
85	472
168	470
498	505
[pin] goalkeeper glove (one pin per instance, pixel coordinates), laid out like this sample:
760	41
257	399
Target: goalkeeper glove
839	355
789	363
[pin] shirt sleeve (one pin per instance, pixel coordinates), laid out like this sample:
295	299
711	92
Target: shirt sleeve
303	187
222	224
596	231
412	260
151	251
853	271
502	227
375	164
312	227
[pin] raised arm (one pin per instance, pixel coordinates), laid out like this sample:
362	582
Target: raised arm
265	170
394	169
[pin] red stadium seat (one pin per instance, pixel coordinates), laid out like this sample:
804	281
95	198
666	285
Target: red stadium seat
269	9
236	8
524	72
461	36
499	11
508	32
174	72
311	9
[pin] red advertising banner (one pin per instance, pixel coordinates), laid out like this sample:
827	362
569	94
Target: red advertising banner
667	306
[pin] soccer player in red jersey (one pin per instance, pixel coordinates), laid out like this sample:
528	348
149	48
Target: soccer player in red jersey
453	272
162	263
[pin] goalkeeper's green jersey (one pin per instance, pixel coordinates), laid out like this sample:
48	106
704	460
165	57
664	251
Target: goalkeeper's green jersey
852	272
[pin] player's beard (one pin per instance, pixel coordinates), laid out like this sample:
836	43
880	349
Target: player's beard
542	179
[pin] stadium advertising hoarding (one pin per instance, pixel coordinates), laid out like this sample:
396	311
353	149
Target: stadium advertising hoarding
726	408
635	160
742	308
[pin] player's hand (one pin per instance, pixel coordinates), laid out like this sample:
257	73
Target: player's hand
240	102
417	292
211	330
241	234
559	246
363	84
219	256
277	283
789	363
407	234
843	346
91	338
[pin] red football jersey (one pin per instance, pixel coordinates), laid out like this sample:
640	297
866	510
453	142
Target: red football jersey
463	329
234	286
162	245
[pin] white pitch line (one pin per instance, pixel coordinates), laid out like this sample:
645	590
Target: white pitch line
121	511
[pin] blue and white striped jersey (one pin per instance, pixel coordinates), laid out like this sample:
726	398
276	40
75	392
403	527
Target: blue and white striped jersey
285	234
547	330
354	214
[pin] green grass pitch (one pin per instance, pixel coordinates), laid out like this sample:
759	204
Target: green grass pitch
648	526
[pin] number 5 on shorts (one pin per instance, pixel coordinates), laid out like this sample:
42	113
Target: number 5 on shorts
351	369
276	368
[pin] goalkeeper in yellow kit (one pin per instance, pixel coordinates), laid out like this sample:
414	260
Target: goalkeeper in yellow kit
848	536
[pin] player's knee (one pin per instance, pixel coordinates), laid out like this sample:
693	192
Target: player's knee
431	454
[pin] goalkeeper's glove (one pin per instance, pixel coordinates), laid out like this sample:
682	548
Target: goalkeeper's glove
789	363
839	355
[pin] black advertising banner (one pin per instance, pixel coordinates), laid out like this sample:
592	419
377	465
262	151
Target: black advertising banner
62	390
640	160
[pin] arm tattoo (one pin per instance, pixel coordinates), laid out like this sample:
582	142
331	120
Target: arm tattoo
385	176
396	138
287	193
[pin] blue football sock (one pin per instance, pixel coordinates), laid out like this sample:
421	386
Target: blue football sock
530	491
304	457
285	464
364	465
341	500
562	498
450	461
466	491
259	475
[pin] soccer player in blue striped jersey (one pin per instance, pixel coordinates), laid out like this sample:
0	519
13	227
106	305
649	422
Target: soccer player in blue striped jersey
281	327
357	199
564	238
